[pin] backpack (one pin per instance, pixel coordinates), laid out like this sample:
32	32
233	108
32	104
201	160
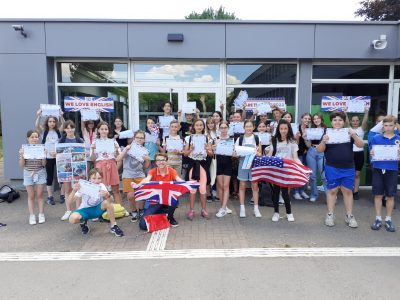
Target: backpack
8	194
274	143
256	138
77	139
119	212
46	133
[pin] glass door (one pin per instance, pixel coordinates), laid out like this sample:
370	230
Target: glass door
207	100
395	112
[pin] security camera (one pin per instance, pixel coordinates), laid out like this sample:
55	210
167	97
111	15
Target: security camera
380	44
18	27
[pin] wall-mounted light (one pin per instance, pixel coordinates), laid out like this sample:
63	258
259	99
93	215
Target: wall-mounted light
20	28
175	37
381	43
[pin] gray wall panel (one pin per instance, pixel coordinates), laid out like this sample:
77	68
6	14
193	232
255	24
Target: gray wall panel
23	86
200	41
269	40
12	41
354	41
305	88
79	39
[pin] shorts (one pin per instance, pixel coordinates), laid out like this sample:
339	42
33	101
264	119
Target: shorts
110	171
35	178
126	184
88	213
224	165
358	160
384	184
243	174
339	177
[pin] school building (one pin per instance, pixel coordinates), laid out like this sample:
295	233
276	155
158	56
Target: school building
142	63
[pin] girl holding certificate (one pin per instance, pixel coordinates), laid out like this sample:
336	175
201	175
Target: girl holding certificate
166	119
152	141
211	132
89	133
173	146
34	178
284	146
133	172
104	151
248	140
198	150
51	133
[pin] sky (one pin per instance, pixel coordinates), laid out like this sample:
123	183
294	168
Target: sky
321	10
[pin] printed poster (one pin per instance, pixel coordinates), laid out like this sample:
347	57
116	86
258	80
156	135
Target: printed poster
102	104
71	162
332	103
252	103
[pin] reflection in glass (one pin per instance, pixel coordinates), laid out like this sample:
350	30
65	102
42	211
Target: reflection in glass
261	74
350	72
396	72
176	73
119	94
205	102
84	72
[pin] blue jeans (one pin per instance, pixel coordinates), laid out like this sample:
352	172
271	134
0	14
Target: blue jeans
315	161
301	188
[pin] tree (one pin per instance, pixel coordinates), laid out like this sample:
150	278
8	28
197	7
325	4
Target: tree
379	10
211	14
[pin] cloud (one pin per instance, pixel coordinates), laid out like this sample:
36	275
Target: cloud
230	79
204	78
176	70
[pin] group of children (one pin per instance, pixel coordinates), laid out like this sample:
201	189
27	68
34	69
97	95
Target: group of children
187	148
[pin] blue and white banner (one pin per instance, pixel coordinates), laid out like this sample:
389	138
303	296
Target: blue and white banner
351	103
102	104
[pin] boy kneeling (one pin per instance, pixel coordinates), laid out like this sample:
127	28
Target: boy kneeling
92	208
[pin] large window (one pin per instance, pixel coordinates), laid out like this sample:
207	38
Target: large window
350	72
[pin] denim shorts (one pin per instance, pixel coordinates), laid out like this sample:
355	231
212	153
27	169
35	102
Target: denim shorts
88	213
35	178
243	174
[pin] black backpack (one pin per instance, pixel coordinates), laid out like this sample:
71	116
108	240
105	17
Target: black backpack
7	193
46	133
256	138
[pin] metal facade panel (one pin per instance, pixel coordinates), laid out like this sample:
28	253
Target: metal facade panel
269	41
80	39
204	41
12	41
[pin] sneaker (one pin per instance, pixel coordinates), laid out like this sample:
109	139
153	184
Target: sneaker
62	199
356	196
297	196
377	224
141	213
330	220
242	213
32	220
95	220
205	214
351	221
85	229
50	200
275	217
257	213
66	215
135	216
117	231
251	201
41	219
290	217
313	199
221	213
228	211
190	215
304	195
173	222
281	201
389	226
210	199
321	188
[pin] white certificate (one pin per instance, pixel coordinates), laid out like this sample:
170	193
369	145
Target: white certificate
243	150
165	121
314	133
241	99
50	110
50	146
105	146
385	153
151	138
225	147
265	138
35	151
174	144
138	151
189	108
338	136
263	109
236	127
90	189
126	134
199	142
89	115
356	106
295	128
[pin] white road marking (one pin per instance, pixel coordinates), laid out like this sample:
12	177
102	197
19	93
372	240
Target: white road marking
203	253
158	240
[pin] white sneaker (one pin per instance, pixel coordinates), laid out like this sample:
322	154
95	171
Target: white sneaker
313	199
275	217
221	213
32	220
321	188
66	215
242	213
228	211
257	213
297	196
281	201
41	218
330	220
304	195
351	221
290	217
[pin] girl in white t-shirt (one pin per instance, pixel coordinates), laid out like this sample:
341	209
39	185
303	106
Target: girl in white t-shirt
286	147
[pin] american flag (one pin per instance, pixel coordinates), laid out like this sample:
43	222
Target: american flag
164	192
280	171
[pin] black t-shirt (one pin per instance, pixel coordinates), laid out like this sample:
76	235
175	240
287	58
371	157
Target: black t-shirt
302	144
185	129
340	155
121	142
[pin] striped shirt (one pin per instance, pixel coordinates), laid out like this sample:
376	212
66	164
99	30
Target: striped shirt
33	165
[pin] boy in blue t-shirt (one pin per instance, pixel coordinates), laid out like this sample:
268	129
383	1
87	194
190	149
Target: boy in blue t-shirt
384	174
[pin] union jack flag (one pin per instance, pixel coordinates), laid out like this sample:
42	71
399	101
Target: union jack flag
280	171
102	104
155	129
164	192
